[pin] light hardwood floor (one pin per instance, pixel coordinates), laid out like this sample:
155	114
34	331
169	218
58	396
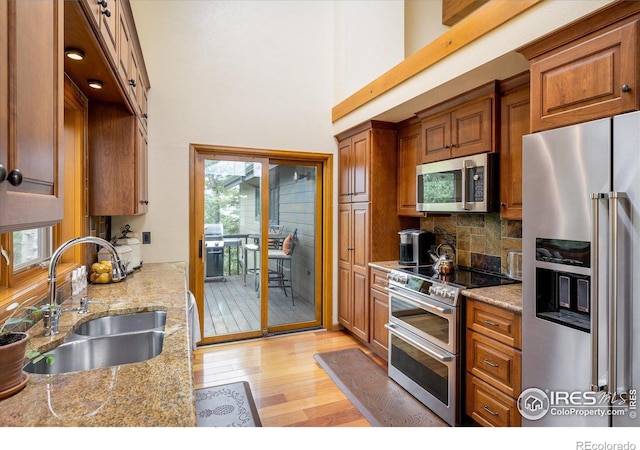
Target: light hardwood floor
290	389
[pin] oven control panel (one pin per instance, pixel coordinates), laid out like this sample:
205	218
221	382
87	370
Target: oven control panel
443	291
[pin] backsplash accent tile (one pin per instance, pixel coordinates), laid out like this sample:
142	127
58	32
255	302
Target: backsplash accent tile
481	240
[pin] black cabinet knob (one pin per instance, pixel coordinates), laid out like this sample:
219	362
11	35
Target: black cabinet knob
3	173
15	177
132	82
106	12
102	3
145	115
144	202
626	88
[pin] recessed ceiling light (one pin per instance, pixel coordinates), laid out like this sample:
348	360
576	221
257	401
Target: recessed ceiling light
95	84
74	53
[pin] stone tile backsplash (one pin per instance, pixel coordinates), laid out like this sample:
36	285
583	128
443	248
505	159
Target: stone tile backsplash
481	240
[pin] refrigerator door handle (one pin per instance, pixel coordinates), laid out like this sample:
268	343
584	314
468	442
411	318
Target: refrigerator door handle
595	272
614	201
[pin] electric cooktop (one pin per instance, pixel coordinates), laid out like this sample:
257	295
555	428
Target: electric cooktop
465	276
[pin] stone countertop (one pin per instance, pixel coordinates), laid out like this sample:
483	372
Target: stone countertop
507	296
156	392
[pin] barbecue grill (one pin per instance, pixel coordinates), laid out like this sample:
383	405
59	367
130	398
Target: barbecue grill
214	247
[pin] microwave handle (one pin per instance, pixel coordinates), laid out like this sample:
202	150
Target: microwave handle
466	164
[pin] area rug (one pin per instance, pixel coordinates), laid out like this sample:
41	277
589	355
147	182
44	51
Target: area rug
227	405
378	398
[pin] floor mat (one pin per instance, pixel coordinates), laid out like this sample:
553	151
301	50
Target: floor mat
227	405
380	399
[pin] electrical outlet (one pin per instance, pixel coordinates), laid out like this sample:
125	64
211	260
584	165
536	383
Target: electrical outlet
146	237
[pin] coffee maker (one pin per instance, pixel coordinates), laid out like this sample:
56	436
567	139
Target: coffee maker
415	246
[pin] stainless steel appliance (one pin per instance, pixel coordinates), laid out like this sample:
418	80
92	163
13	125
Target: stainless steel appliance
214	247
425	335
581	250
415	246
467	184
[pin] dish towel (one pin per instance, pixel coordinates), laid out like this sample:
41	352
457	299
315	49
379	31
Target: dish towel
194	321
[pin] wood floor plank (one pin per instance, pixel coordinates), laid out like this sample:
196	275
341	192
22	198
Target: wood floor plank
289	387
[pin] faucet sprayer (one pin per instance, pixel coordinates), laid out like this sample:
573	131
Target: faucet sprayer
53	312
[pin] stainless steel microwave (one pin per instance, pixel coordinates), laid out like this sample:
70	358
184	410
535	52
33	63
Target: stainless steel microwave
466	184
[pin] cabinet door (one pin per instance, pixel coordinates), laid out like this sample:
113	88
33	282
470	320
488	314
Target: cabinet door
514	118
586	81
142	170
472	129
344	171
32	118
345	252
360	269
379	307
361	167
436	139
408	149
109	27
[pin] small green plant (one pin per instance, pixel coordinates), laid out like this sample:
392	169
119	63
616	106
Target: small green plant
32	314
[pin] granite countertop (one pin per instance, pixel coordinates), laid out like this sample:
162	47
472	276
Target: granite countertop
156	392
507	296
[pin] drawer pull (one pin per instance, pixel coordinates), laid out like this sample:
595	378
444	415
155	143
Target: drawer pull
489	363
493	324
486	408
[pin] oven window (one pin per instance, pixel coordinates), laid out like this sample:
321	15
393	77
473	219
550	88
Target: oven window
442	187
422	320
429	373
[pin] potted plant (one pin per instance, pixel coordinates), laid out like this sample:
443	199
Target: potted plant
13	348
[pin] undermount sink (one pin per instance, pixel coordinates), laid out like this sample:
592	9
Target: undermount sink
123	323
98	352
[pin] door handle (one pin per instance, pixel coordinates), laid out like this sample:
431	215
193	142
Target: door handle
595	270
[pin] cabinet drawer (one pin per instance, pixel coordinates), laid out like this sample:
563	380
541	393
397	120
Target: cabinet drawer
497	323
490	407
495	363
379	280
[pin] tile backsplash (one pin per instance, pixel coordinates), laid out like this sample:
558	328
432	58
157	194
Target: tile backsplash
481	240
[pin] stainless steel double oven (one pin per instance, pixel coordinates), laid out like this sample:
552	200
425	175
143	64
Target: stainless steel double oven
425	335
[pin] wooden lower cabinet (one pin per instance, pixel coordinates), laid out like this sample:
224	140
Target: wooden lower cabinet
490	407
493	360
379	307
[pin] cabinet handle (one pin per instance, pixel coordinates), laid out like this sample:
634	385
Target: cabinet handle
453	145
503	205
493	324
3	173
102	3
144	202
486	408
145	116
106	12
132	82
489	363
15	177
446	146
626	88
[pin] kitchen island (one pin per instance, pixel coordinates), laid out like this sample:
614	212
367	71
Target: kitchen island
155	392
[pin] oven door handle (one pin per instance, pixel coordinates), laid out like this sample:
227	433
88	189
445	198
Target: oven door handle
419	301
391	327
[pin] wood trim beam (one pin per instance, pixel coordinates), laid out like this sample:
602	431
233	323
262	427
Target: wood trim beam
484	20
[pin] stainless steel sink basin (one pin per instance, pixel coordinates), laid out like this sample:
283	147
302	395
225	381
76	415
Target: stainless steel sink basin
123	323
98	352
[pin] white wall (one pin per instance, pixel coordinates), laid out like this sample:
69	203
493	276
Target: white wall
238	73
422	24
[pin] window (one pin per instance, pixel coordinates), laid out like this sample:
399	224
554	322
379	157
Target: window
31	248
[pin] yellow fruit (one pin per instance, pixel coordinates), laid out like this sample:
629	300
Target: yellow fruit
100	268
103	278
93	277
106	263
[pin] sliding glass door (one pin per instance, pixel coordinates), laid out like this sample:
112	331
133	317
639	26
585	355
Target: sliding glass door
259	229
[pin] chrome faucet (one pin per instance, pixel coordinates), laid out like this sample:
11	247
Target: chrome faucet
53	312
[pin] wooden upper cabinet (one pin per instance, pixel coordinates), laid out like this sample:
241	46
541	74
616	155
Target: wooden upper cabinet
117	162
586	71
459	127
105	16
514	123
408	149
354	160
31	113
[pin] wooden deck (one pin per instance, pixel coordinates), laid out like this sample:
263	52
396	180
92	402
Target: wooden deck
233	307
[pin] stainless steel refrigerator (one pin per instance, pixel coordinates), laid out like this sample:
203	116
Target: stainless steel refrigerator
581	274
